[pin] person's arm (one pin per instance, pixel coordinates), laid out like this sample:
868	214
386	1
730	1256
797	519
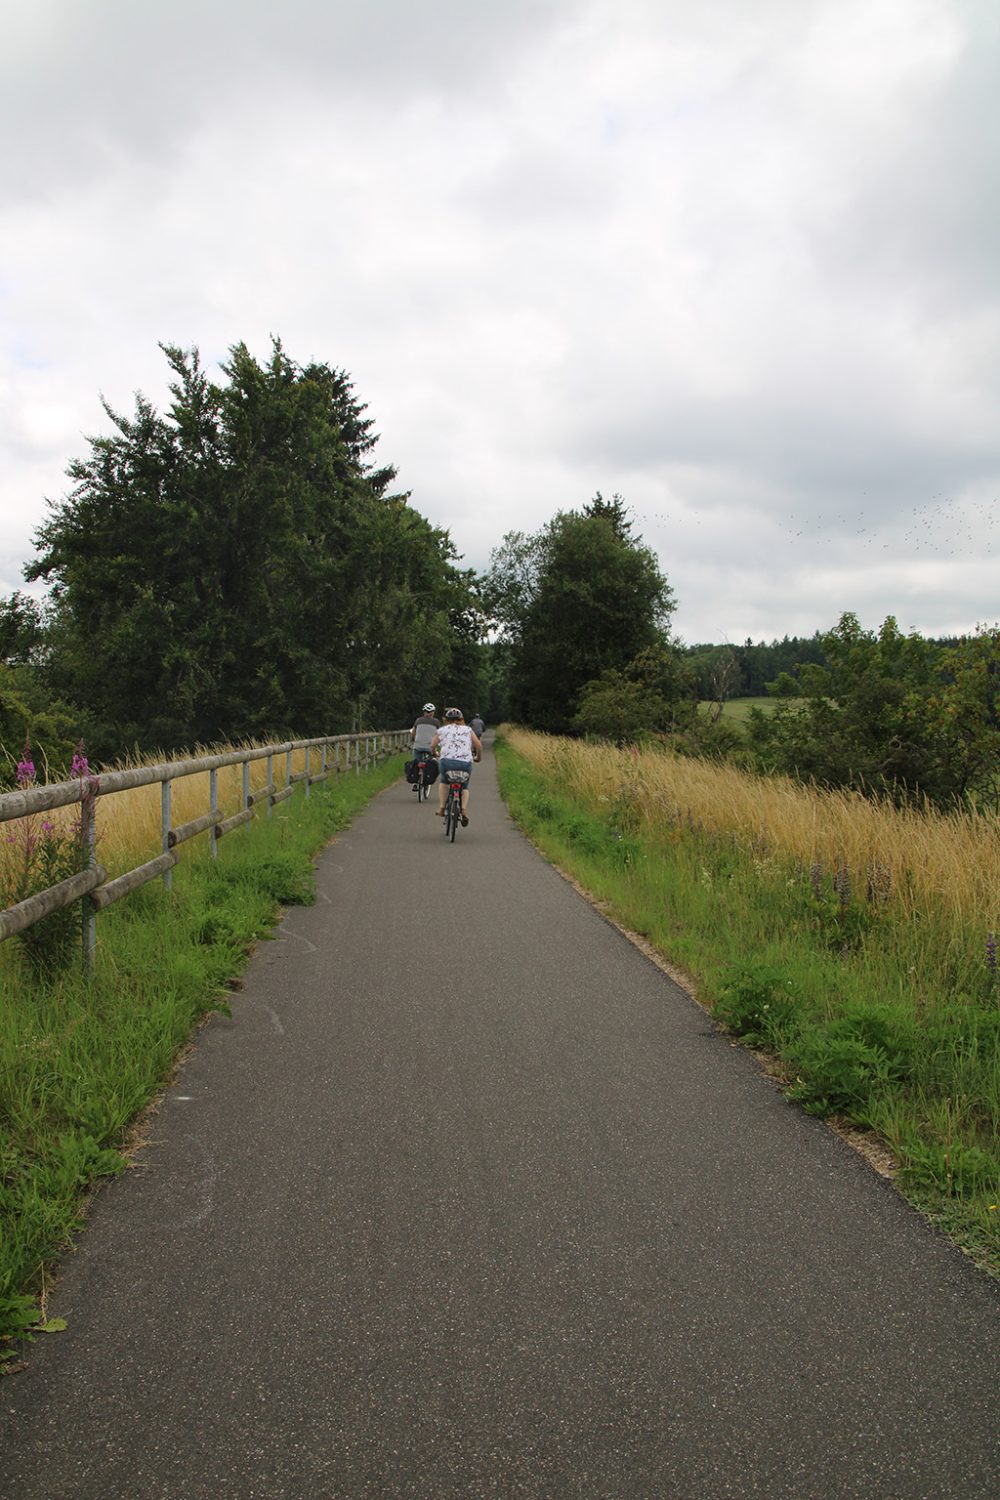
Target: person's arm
435	744
477	745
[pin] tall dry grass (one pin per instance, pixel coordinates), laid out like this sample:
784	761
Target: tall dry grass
924	860
129	823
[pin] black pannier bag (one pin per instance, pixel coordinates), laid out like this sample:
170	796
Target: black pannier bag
431	774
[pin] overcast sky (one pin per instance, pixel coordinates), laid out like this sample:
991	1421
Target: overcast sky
738	261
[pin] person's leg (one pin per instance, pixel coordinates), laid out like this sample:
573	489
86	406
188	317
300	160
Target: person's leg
442	785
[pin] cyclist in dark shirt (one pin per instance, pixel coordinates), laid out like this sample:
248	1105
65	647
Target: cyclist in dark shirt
422	734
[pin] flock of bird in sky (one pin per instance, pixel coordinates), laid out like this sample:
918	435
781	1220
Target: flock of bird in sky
942	525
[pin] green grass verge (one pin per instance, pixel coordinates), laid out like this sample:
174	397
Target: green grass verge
815	977
79	1059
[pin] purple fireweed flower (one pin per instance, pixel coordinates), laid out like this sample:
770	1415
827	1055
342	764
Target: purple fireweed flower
80	766
26	766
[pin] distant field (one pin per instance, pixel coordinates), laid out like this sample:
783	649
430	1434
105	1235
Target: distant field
738	708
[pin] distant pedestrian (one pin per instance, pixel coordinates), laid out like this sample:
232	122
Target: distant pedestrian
477	726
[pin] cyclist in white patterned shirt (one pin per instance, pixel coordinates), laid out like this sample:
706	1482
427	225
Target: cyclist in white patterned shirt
457	747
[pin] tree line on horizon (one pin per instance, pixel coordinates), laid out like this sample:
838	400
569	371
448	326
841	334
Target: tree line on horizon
239	567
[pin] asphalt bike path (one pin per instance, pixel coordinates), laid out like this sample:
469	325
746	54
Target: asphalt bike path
468	1199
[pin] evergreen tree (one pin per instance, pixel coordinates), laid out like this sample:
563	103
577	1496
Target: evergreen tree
240	566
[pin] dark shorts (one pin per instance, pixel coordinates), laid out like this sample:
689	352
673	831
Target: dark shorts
454	765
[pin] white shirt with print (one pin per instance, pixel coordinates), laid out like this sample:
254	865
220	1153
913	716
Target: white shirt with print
455	742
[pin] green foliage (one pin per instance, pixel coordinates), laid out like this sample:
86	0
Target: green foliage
831	906
616	708
849	1063
724	672
839	1075
239	567
963	715
55	727
22	633
652	694
890	714
36	854
756	1002
579	599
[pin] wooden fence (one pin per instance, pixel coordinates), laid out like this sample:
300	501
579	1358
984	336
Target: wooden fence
336	754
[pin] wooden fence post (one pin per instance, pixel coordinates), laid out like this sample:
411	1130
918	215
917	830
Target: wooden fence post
213	802
269	782
165	816
308	788
88	838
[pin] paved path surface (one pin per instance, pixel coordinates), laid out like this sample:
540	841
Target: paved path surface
522	1225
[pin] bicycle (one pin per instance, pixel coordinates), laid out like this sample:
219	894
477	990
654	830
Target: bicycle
422	785
456	782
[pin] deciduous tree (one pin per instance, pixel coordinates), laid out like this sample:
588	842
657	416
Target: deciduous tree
579	599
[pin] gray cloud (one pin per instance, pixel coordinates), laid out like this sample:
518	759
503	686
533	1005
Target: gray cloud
735	262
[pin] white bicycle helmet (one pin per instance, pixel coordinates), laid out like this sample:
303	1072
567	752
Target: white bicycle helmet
453	713
428	708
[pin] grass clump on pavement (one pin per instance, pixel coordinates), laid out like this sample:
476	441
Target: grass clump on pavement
80	1058
851	941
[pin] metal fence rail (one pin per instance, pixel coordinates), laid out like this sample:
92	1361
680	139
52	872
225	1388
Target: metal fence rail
337	754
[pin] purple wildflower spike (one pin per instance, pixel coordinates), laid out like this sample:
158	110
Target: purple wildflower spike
26	766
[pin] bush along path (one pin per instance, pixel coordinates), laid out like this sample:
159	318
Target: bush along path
80	1059
805	967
